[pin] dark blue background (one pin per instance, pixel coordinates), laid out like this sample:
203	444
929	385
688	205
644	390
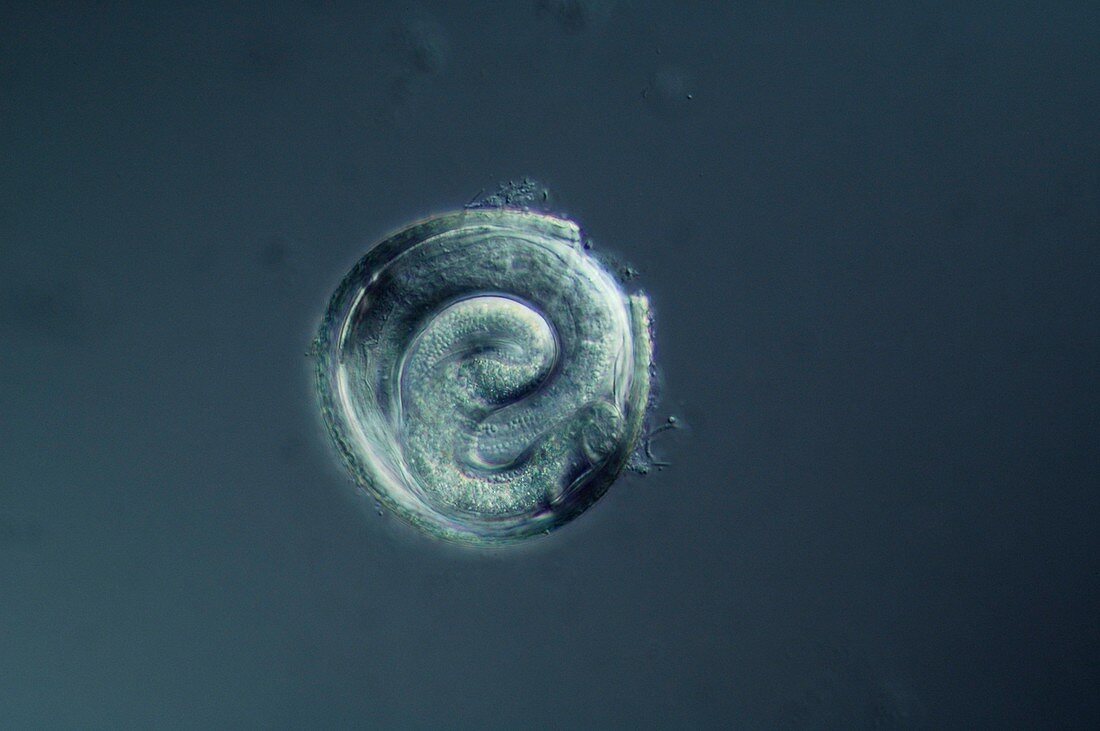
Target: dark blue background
871	236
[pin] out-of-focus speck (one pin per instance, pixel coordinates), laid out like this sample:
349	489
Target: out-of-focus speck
668	91
421	49
277	253
269	61
840	689
321	7
206	258
575	16
19	533
292	449
280	260
49	308
424	45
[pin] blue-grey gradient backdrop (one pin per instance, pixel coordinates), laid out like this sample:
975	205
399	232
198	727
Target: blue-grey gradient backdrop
871	234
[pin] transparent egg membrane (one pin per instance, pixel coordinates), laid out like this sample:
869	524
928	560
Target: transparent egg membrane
483	376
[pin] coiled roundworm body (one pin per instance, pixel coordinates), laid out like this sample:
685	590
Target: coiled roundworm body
483	376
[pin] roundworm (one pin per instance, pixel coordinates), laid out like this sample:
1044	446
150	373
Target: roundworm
483	376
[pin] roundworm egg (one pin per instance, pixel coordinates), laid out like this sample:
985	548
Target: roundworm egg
483	376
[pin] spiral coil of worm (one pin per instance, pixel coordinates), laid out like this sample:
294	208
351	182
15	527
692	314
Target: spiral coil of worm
483	376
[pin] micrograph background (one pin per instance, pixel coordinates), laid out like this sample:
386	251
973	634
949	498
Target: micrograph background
870	233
